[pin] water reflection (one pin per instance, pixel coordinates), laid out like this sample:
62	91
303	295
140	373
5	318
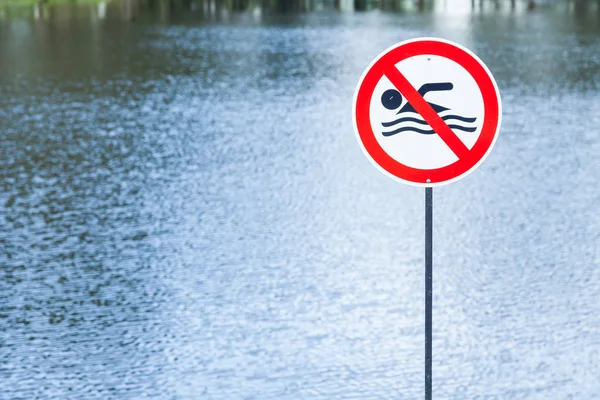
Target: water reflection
185	211
232	10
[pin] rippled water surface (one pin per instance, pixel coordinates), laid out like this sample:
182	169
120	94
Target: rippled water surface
185	213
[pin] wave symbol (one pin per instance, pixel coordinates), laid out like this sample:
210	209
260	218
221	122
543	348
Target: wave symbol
402	120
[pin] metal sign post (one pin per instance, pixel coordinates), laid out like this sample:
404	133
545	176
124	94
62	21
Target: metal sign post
428	289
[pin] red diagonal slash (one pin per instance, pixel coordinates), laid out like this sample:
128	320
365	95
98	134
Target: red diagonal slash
425	110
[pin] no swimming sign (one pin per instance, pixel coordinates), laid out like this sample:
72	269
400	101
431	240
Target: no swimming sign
427	112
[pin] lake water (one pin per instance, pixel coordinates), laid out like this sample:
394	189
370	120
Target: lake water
185	212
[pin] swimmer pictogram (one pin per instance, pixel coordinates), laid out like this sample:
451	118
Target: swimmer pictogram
392	99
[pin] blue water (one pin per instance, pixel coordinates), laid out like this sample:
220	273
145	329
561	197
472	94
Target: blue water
185	214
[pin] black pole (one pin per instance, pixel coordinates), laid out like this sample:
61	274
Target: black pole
428	288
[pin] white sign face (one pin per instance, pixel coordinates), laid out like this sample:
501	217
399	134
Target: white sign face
422	148
427	112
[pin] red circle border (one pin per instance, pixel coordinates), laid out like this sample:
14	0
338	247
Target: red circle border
491	102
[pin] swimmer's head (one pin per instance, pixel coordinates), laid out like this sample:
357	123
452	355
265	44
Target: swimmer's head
391	99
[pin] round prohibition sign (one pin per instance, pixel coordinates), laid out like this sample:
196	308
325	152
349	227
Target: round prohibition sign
451	145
